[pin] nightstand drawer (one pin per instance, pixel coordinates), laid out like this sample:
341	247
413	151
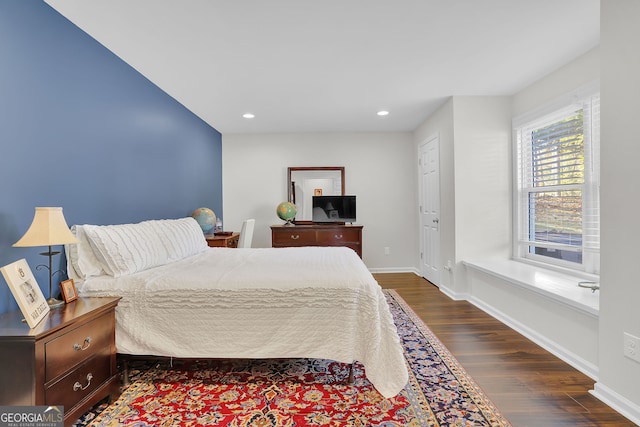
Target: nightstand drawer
66	351
80	382
223	240
338	236
293	237
49	367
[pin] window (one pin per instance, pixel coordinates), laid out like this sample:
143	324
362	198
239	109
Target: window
557	217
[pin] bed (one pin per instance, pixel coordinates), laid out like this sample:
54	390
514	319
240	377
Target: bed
182	299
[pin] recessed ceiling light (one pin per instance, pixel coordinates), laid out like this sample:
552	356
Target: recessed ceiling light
383	113
248	115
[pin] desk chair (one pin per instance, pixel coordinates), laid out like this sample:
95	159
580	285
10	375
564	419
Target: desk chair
246	233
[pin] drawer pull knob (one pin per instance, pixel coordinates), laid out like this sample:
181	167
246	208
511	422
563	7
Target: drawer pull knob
85	345
337	236
295	236
77	386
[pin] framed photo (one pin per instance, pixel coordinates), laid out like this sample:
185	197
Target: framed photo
68	289
26	291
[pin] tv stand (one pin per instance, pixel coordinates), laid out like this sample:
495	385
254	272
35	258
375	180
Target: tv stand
330	234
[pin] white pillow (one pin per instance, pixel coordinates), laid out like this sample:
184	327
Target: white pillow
81	261
126	248
181	237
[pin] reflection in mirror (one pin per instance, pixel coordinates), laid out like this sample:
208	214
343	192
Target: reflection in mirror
306	182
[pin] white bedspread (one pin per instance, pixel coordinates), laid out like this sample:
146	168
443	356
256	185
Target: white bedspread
311	302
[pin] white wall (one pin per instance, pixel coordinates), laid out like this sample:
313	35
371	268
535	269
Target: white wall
255	181
441	123
579	72
620	294
577	341
474	181
482	180
380	169
476	187
593	344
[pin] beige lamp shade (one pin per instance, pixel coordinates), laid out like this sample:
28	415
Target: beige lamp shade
48	228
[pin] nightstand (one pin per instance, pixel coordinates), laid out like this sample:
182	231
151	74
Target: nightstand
68	359
223	241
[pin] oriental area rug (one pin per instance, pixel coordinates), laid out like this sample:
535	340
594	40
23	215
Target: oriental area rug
303	392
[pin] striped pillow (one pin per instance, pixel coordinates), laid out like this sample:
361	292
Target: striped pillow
181	237
126	248
81	261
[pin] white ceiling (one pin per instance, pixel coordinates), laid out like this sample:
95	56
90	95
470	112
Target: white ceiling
330	65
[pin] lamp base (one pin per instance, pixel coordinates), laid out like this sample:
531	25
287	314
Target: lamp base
53	303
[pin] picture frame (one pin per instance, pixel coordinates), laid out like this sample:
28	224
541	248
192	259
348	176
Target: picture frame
26	292
68	290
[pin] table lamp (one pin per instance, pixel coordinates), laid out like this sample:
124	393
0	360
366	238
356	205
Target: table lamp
48	228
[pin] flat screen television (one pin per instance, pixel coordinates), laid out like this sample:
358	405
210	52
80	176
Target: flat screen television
334	209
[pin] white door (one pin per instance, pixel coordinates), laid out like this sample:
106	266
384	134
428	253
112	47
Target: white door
430	209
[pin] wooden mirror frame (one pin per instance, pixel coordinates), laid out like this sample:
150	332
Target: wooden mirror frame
291	193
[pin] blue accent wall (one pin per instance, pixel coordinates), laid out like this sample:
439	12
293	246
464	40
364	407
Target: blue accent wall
81	129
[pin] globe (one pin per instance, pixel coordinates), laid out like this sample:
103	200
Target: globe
286	211
206	218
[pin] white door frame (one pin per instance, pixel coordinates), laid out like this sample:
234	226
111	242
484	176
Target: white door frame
429	199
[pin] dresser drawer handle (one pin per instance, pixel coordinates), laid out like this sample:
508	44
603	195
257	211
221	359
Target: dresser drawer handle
85	345
337	236
77	386
295	237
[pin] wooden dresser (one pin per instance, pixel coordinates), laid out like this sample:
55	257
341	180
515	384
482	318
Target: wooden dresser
317	235
68	359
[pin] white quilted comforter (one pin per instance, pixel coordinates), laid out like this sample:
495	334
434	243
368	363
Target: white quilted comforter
312	302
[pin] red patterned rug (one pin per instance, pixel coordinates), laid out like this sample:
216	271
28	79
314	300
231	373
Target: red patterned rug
304	392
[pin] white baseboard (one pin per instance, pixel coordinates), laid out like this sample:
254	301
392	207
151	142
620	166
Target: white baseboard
456	296
559	351
395	270
602	392
617	402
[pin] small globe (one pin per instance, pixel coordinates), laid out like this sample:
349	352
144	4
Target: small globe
286	211
206	218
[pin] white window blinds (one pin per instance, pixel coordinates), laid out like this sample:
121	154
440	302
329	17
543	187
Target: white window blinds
558	218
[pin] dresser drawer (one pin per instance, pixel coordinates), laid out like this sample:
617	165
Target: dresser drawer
338	237
66	351
81	382
318	235
294	237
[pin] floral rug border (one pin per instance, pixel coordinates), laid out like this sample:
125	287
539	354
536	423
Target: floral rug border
450	411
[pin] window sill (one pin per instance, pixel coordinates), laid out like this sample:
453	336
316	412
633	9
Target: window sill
558	286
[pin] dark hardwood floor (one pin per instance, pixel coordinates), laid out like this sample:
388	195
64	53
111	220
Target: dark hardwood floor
529	385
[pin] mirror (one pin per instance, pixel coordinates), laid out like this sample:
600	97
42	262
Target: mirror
305	182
